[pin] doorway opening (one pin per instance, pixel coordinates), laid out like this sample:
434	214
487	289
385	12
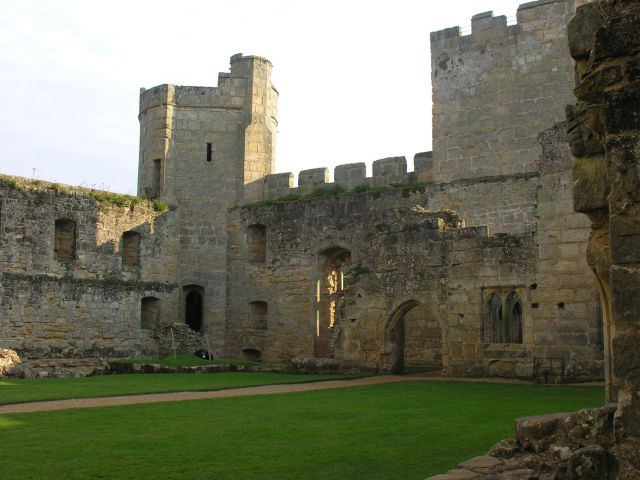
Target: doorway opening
193	295
413	340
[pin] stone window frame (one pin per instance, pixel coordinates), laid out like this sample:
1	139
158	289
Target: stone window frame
507	328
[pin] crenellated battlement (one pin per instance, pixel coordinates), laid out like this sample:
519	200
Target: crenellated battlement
386	172
230	93
532	19
495	89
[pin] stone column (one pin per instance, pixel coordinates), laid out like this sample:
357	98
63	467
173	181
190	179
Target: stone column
604	131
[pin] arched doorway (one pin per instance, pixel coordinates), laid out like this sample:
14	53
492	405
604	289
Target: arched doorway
193	306
413	339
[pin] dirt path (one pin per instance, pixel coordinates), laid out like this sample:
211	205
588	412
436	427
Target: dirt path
180	396
232	392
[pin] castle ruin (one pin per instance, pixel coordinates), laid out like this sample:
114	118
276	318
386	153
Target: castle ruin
474	261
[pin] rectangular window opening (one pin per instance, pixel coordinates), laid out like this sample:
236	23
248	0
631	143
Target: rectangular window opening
156	178
208	152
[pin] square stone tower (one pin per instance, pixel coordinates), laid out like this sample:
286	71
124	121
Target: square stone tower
203	150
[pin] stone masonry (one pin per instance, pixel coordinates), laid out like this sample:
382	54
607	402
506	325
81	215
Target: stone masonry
595	444
473	262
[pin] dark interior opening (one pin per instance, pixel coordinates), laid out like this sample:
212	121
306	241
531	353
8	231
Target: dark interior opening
193	312
156	179
251	354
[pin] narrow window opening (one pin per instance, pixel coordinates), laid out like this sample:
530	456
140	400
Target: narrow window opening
208	152
131	248
257	243
599	325
156	178
64	244
514	322
561	305
259	315
495	314
535	305
149	313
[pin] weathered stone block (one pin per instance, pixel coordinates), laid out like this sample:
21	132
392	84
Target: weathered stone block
350	175
588	463
594	83
388	170
621	112
538	432
591	186
278	183
458	474
313	177
626	361
625	238
423	162
519	474
625	284
581	30
618	39
481	464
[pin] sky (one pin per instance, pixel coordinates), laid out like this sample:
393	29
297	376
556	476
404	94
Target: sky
353	77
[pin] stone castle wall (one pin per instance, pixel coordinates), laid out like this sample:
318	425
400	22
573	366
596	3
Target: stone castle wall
266	267
406	261
496	89
516	183
604	130
89	303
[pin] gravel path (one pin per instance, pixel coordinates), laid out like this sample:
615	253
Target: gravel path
180	396
233	392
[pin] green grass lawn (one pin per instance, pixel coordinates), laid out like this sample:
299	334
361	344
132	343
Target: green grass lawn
392	431
30	390
192	360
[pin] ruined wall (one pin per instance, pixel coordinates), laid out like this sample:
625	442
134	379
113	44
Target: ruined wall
402	255
202	150
512	174
80	301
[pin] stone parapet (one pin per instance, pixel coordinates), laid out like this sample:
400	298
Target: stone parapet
350	175
389	170
278	184
386	172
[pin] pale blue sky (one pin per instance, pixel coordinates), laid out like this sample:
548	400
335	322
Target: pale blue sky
353	76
